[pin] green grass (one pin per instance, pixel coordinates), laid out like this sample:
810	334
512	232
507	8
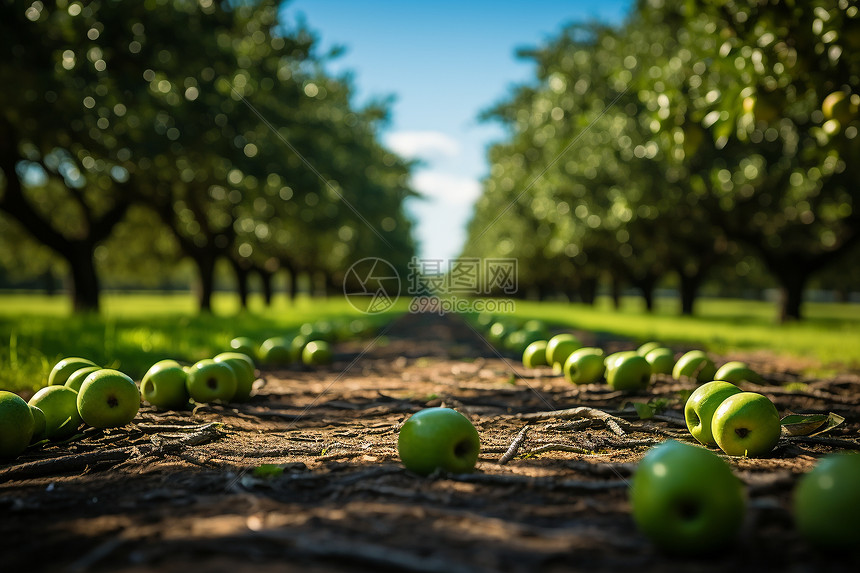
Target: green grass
830	334
136	330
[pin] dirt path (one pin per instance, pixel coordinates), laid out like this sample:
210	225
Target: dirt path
306	477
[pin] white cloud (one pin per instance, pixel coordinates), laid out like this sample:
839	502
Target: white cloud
423	144
447	188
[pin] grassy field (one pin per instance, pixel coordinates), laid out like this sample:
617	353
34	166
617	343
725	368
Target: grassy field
136	330
830	334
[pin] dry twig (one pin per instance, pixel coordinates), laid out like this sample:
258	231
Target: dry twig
515	446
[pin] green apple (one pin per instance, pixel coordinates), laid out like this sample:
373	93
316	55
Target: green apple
616	357
298	344
277	351
559	348
629	373
245	372
164	385
317	353
78	376
648	347
438	439
662	360
736	372
209	381
686	499
244	345
60	406
746	424
826	503
38	424
16	425
701	405
535	354
64	368
108	399
584	366
695	364
498	332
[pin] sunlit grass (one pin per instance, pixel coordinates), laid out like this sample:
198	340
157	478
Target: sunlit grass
136	330
830	334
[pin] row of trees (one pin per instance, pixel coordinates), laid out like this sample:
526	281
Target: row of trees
141	133
693	137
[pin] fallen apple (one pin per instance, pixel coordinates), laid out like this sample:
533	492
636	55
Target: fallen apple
317	353
826	503
535	354
701	405
559	347
164	385
64	368
648	347
60	406
438	439
38	424
611	360
686	499
277	351
584	366
695	364
108	399
209	381
737	372
629	373
662	360
245	371
16	425
78	376
244	345
746	424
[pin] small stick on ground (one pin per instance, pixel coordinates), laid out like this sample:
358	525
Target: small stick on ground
515	446
617	425
558	448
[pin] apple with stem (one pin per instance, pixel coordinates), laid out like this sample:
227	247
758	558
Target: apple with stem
64	368
695	364
826	502
584	366
108	399
245	371
438	439
78	376
16	425
164	385
686	499
701	405
60	406
629	373
535	354
662	360
209	381
737	372
746	424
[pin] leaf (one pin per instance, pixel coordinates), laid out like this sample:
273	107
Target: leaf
833	420
268	470
802	424
645	411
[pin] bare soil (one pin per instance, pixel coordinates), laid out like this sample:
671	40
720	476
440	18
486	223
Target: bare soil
305	476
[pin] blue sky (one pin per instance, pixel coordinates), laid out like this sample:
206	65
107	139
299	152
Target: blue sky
444	62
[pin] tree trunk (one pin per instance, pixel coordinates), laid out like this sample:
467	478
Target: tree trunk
242	274
791	294
588	290
85	281
647	288
205	262
616	291
50	282
266	281
689	290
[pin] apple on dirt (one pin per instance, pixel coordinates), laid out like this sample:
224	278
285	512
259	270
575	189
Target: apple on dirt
244	345
245	371
686	499
78	376
746	424
60	406
209	380
438	439
826	502
701	405
584	366
535	354
662	360
648	347
317	353
108	399
64	368
16	425
614	358
629	373
559	347
737	372
695	364
277	351
164	385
